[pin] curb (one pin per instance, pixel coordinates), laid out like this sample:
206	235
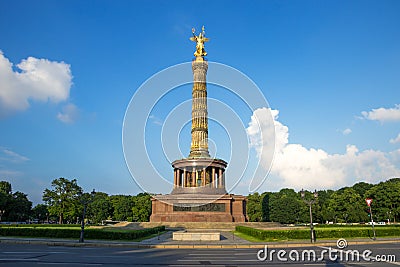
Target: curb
188	246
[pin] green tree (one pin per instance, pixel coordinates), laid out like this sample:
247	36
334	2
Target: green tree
362	187
285	206
386	200
346	206
141	207
5	199
265	206
254	207
323	200
100	208
63	199
5	187
40	212
16	206
122	207
20	207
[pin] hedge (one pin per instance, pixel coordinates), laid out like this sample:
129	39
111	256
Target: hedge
41	225
320	233
354	225
75	233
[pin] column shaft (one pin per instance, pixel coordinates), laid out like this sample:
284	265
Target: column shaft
175	180
213	177
219	178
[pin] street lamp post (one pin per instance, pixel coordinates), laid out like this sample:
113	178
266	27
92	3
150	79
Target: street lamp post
310	203
389	213
85	200
345	217
1	214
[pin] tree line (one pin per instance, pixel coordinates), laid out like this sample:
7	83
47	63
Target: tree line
63	203
346	205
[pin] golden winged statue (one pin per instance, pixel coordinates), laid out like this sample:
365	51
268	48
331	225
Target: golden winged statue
200	40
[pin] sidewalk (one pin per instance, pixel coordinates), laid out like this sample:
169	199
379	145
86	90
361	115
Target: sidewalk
228	240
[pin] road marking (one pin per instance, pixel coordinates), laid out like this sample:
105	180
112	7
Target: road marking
13	259
223	260
393	262
206	254
212	257
34	252
103	256
70	263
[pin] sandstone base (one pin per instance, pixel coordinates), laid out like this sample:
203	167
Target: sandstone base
198	208
193	236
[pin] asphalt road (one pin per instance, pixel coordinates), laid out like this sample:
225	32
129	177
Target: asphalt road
40	255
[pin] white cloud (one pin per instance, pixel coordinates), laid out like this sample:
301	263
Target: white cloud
11	156
36	80
155	120
298	167
69	114
346	131
383	114
9	173
395	140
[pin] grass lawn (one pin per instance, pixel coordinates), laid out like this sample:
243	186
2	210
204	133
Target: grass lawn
254	239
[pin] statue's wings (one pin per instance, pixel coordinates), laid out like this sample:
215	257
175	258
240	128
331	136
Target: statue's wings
206	39
194	39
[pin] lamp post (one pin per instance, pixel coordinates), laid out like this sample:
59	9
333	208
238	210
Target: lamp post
369	202
1	214
389	213
345	216
309	203
85	200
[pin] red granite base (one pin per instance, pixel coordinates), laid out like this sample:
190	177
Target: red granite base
163	208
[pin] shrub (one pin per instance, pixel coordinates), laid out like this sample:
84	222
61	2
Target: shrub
75	232
41	225
320	233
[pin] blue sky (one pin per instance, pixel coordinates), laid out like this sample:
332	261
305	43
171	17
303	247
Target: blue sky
320	63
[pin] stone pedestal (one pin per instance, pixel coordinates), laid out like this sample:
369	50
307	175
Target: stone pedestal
193	236
198	208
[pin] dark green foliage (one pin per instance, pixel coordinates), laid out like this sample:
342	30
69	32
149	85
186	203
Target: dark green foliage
131	208
40	212
285	206
63	199
19	208
346	205
254	207
361	188
100	208
16	206
75	232
5	188
141	207
386	200
269	235
122	206
41	225
265	206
